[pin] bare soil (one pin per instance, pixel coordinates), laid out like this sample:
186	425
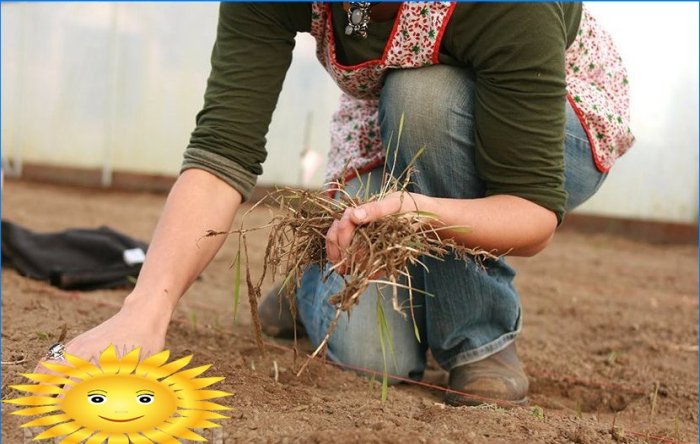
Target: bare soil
609	342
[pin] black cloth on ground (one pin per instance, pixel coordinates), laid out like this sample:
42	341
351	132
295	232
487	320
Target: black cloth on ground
73	259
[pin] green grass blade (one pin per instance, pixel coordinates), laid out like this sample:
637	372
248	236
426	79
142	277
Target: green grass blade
286	281
426	214
398	138
416	332
460	229
386	333
419	153
236	284
385	341
381	282
358	177
396	150
455	228
412	163
385	179
385	376
385	386
367	185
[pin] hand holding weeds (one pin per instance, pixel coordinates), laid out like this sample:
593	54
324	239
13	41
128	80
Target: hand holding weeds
341	232
328	226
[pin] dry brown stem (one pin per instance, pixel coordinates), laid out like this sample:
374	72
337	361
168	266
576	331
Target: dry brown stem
385	248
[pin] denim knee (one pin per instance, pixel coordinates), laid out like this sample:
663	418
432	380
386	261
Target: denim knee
436	104
426	98
357	340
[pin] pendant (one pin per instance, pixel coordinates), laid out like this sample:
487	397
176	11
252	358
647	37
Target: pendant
358	19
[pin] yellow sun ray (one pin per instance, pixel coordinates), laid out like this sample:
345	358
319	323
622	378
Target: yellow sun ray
58	430
152	362
201	414
47	420
187	375
45	377
200	383
160	437
179	431
202	424
136	438
200	405
83	365
97	438
118	439
77	437
202	395
129	362
66	370
39	389
194	421
109	361
180	381
33	411
121	400
33	400
171	367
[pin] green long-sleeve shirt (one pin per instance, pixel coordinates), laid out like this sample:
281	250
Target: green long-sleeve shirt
515	50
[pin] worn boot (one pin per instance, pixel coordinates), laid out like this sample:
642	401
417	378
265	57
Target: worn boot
499	377
276	318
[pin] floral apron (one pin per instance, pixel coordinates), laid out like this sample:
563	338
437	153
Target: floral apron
414	42
597	85
599	92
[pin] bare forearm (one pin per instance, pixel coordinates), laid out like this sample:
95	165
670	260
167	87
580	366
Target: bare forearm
177	254
506	224
178	251
500	224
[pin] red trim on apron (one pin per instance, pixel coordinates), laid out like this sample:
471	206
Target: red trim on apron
415	36
441	33
582	120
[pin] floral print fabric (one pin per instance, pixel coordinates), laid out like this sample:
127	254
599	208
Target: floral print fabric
596	83
599	92
414	42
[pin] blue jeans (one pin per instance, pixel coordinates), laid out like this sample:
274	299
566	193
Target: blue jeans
474	312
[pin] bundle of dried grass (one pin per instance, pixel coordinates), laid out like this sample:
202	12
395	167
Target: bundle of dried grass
381	252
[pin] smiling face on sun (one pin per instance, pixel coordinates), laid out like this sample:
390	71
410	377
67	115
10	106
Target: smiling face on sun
119	403
149	400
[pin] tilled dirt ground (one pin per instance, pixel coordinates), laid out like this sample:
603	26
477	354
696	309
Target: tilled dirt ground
609	342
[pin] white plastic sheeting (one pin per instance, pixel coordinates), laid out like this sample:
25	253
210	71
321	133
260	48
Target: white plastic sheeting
116	86
658	178
113	85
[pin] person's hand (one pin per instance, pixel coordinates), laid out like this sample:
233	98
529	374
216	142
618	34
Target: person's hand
342	230
135	325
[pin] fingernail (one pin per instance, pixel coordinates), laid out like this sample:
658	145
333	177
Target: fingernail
360	213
